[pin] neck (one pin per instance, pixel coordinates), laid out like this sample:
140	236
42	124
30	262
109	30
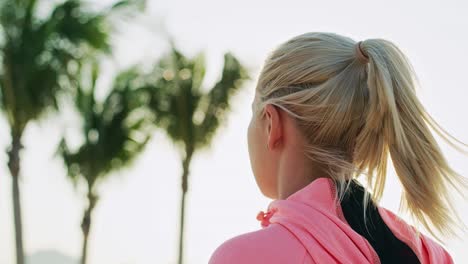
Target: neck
296	173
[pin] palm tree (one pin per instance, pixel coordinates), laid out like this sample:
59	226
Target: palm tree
37	55
189	114
115	131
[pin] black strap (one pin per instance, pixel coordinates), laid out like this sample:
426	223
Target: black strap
388	247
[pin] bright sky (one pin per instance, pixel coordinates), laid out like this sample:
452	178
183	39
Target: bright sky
136	221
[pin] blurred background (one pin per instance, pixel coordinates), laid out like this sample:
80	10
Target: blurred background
117	117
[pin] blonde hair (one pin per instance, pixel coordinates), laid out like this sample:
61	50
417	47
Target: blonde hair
355	115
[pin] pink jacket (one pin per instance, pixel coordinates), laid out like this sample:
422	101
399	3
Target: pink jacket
309	227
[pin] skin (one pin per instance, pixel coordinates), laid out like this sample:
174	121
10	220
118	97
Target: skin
276	150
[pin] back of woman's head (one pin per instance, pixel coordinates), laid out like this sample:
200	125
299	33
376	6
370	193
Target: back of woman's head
355	103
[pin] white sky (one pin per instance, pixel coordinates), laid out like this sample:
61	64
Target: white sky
136	221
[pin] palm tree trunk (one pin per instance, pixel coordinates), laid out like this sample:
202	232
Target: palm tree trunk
14	167
84	252
185	174
86	226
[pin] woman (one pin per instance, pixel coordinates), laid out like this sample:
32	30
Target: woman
328	110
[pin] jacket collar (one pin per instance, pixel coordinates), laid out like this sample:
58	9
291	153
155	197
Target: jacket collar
320	193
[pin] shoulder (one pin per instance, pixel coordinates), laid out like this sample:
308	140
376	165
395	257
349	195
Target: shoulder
274	244
425	248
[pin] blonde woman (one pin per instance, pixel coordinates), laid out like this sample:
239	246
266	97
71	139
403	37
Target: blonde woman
328	110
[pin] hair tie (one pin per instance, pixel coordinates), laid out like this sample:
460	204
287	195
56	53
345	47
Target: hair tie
360	54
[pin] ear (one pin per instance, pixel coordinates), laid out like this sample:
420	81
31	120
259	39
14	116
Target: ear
274	126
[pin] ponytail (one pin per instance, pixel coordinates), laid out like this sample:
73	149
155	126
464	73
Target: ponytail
397	124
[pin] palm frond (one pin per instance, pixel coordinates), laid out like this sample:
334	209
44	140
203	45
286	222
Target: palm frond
116	129
37	53
8	16
128	6
187	113
70	160
216	102
71	21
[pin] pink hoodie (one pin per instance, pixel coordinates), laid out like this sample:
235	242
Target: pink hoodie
309	227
